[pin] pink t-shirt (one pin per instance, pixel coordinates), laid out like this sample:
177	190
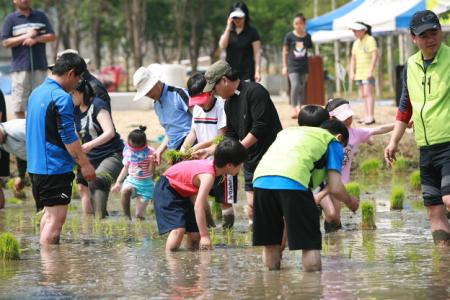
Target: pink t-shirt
356	136
181	175
138	161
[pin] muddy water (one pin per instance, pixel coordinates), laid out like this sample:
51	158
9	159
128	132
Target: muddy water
114	258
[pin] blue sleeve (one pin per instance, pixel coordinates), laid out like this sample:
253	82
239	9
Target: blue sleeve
48	26
7	28
66	123
335	156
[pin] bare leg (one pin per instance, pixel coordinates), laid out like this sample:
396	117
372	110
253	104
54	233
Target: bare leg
272	257
249	196
141	206
369	102
284	239
174	239
55	218
439	223
2	199
311	260
85	197
330	212
193	240
362	95
125	195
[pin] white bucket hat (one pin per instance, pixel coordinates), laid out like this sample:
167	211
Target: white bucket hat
144	79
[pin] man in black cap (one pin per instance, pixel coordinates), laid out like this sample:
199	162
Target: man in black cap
251	117
426	98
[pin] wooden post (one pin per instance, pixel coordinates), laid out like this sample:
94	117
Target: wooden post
390	63
379	81
401	56
336	66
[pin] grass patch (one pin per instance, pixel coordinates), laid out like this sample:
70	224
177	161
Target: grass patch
15	201
414	180
367	215
400	164
397	197
9	247
353	189
216	211
370	166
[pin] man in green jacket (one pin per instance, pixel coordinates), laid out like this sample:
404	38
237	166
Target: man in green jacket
426	98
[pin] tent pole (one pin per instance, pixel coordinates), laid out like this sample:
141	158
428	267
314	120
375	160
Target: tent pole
336	66
400	49
390	63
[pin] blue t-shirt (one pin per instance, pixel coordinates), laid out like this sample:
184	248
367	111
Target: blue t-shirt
334	156
16	24
49	126
173	114
89	128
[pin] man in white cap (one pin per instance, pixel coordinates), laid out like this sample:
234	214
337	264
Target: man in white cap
171	106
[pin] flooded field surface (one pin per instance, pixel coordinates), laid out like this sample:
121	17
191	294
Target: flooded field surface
115	258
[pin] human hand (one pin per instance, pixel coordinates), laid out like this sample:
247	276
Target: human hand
18	184
353	204
157	158
115	188
200	154
88	172
205	243
389	153
229	24
351	76
257	76
32	32
410	124
86	147
29	42
284	71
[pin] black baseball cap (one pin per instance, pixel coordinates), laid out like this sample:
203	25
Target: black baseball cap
424	20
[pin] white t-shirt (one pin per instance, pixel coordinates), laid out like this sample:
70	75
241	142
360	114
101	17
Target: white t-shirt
207	123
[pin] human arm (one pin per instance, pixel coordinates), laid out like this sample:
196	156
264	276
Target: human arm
206	182
383	129
15	41
45	38
81	159
391	149
373	63
159	151
256	46
123	173
21	169
337	190
284	55
351	72
320	195
189	140
105	121
225	37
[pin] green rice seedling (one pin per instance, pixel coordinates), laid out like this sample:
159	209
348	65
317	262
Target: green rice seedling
369	245
397	224
412	256
36	219
174	156
367	215
215	239
397	197
217	139
229	232
350	249
370	166
436	259
122	227
353	189
390	254
216	211
417	205
9	247
97	226
75	194
414	180
107	228
400	164
15	201
10	184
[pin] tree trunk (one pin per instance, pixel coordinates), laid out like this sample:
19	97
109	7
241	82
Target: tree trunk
197	26
179	7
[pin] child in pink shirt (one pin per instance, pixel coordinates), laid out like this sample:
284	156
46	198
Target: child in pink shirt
181	194
340	109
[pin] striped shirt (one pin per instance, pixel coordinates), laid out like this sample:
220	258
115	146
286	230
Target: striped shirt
138	161
362	50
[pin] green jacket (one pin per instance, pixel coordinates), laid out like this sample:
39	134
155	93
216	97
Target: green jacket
297	153
429	94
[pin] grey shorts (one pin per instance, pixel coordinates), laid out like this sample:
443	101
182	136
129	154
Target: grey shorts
370	81
22	85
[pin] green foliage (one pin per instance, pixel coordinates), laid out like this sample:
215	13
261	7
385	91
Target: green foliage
14	200
400	164
216	210
173	156
10	184
367	215
9	247
397	197
217	139
353	189
414	180
370	166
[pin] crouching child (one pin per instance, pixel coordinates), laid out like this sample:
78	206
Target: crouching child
299	160
181	195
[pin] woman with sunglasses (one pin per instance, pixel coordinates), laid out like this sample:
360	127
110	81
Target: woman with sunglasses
101	143
242	43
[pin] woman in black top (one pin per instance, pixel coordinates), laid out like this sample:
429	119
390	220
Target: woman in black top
101	143
295	61
242	43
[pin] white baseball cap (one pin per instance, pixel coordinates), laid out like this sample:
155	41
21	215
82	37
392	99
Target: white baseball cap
237	13
144	79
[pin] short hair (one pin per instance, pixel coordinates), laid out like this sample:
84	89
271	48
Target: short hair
335	127
196	83
312	115
229	151
335	103
67	62
301	16
232	75
138	137
86	89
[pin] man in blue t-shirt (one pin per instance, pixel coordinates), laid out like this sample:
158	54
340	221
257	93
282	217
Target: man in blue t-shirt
52	145
26	31
171	106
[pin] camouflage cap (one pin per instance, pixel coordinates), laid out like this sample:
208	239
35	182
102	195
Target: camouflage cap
215	73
